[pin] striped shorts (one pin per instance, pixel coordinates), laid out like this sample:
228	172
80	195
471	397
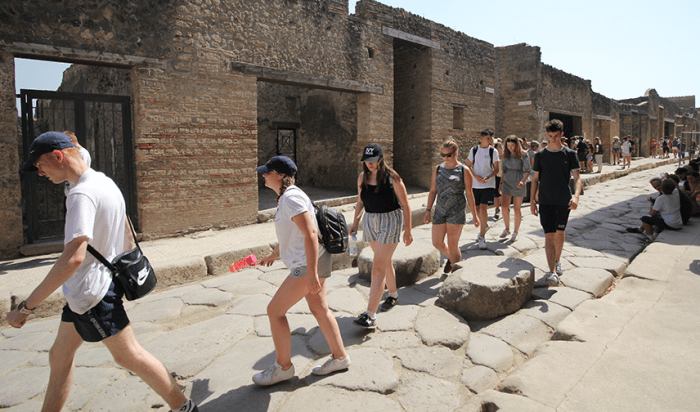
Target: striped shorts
383	227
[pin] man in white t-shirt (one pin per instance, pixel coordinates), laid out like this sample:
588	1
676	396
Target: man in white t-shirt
84	154
94	311
483	160
626	149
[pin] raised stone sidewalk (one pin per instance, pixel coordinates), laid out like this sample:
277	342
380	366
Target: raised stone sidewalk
214	333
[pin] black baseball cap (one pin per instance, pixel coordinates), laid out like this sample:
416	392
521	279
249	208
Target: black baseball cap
280	164
45	143
372	153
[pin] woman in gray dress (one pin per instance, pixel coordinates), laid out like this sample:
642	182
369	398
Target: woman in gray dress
450	190
516	170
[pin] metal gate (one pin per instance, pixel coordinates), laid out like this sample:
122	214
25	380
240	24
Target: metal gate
102	124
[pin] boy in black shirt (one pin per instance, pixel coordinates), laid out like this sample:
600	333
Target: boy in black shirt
553	167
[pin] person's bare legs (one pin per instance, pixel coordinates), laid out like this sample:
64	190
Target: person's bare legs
506	213
553	245
517	205
128	353
483	213
318	304
291	291
382	273
451	249
61	358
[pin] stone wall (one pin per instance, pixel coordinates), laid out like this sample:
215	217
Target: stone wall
517	92
10	192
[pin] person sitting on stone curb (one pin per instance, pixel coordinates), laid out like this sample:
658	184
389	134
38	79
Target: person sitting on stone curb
382	195
484	162
664	213
95	215
550	187
655	183
686	203
694	192
450	189
309	264
516	171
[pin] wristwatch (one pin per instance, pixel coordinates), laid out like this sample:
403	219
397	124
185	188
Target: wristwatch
22	308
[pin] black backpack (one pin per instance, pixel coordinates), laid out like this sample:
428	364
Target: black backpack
332	229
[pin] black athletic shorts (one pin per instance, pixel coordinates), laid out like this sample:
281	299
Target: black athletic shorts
554	217
484	196
106	319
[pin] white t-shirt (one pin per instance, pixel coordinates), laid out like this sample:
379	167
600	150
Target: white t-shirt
85	155
292	251
482	166
96	209
669	207
626	147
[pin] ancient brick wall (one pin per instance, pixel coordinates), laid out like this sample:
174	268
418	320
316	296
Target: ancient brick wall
10	211
517	93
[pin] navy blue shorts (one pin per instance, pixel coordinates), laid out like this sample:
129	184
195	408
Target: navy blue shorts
484	196
106	319
554	217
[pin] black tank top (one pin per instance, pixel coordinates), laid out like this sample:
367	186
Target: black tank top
382	202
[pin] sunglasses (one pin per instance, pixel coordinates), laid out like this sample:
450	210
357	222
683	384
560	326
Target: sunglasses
447	154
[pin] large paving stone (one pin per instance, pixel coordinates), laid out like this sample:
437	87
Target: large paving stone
436	326
347	300
591	280
612	265
188	350
127	394
567	297
411	264
371	370
522	332
157	311
352	335
546	311
489	351
492	400
298	324
392	341
420	393
401	317
207	297
11	360
254	305
437	361
319	398
479	378
89	381
488	287
242	283
22	385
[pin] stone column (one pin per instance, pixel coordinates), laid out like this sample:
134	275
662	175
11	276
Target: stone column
10	194
375	123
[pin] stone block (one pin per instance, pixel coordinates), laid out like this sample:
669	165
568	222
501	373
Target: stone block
488	287
180	271
411	264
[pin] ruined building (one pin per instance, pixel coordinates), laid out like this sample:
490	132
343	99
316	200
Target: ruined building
183	99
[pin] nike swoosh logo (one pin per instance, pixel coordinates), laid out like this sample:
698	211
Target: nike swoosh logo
143	274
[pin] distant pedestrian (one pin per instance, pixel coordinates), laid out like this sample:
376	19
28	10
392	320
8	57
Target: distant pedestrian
598	152
616	150
626	148
484	161
516	171
550	184
497	195
95	215
382	196
582	153
309	264
450	190
665	147
674	146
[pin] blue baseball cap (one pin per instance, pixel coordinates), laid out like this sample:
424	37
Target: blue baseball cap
45	143
280	164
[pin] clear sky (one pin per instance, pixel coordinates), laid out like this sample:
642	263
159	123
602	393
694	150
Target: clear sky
624	47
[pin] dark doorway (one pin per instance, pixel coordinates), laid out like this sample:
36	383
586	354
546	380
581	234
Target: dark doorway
572	124
102	124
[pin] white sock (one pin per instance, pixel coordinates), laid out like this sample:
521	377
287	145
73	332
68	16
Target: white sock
394	295
371	315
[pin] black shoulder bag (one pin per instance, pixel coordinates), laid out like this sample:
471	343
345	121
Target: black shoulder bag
131	270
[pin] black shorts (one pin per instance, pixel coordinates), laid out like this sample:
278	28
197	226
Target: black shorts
484	196
106	319
498	184
554	217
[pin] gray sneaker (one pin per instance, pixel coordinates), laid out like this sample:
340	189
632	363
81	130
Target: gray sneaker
273	374
332	365
558	268
482	243
551	279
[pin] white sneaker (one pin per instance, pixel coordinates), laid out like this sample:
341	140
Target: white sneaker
273	374
551	279
332	365
514	237
505	233
558	269
482	243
